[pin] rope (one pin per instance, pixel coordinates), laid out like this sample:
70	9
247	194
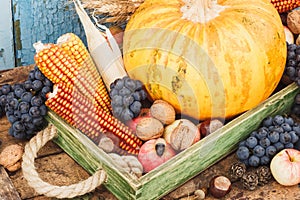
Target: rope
41	187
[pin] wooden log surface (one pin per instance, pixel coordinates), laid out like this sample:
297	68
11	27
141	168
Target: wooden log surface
56	167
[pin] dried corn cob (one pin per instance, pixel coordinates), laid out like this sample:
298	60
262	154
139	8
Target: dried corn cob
81	113
58	66
285	5
75	48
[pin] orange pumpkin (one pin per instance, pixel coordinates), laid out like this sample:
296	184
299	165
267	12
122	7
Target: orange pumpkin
207	58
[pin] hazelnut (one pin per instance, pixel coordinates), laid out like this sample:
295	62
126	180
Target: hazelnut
149	128
10	156
163	111
293	21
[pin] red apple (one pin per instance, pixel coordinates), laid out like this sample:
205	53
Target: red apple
154	153
285	167
145	113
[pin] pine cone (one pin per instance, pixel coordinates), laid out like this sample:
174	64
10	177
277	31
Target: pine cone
250	180
264	175
237	170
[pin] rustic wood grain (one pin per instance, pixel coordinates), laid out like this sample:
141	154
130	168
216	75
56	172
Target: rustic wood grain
7	189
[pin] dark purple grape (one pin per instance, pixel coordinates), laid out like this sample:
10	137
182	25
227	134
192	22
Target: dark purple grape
243	153
19	91
5	89
136	108
43	110
289	146
119	84
48	83
278	120
278	129
296	129
242	143
17	114
12	118
117	101
285	138
31	75
128	100
23	107
286	127
10	96
259	151
28	85
38	75
37	101
254	161
290	71
279	146
294	137
124	92
45	90
37	121
130	84
37	85
127	114
289	121
268	121
117	111
34	111
262	133
271	151
273	136
26	97
3	100
264	142
13	103
18	126
26	118
251	142
265	160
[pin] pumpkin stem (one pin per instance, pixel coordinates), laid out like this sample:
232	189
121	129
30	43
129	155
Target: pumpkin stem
201	11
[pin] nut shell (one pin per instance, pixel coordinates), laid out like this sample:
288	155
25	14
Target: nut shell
11	155
219	186
149	128
181	134
163	111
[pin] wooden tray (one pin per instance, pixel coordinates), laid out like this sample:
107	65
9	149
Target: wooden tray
180	168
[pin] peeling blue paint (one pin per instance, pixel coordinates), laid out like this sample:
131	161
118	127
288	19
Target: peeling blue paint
44	21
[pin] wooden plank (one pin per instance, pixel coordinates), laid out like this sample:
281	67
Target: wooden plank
44	21
7	60
7	190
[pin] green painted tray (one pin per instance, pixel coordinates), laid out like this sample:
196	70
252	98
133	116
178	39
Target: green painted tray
180	168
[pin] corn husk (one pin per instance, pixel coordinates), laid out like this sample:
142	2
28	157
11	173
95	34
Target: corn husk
102	47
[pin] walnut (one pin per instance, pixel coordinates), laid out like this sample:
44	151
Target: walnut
293	21
11	156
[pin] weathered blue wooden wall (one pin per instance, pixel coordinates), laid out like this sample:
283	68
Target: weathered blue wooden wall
43	20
